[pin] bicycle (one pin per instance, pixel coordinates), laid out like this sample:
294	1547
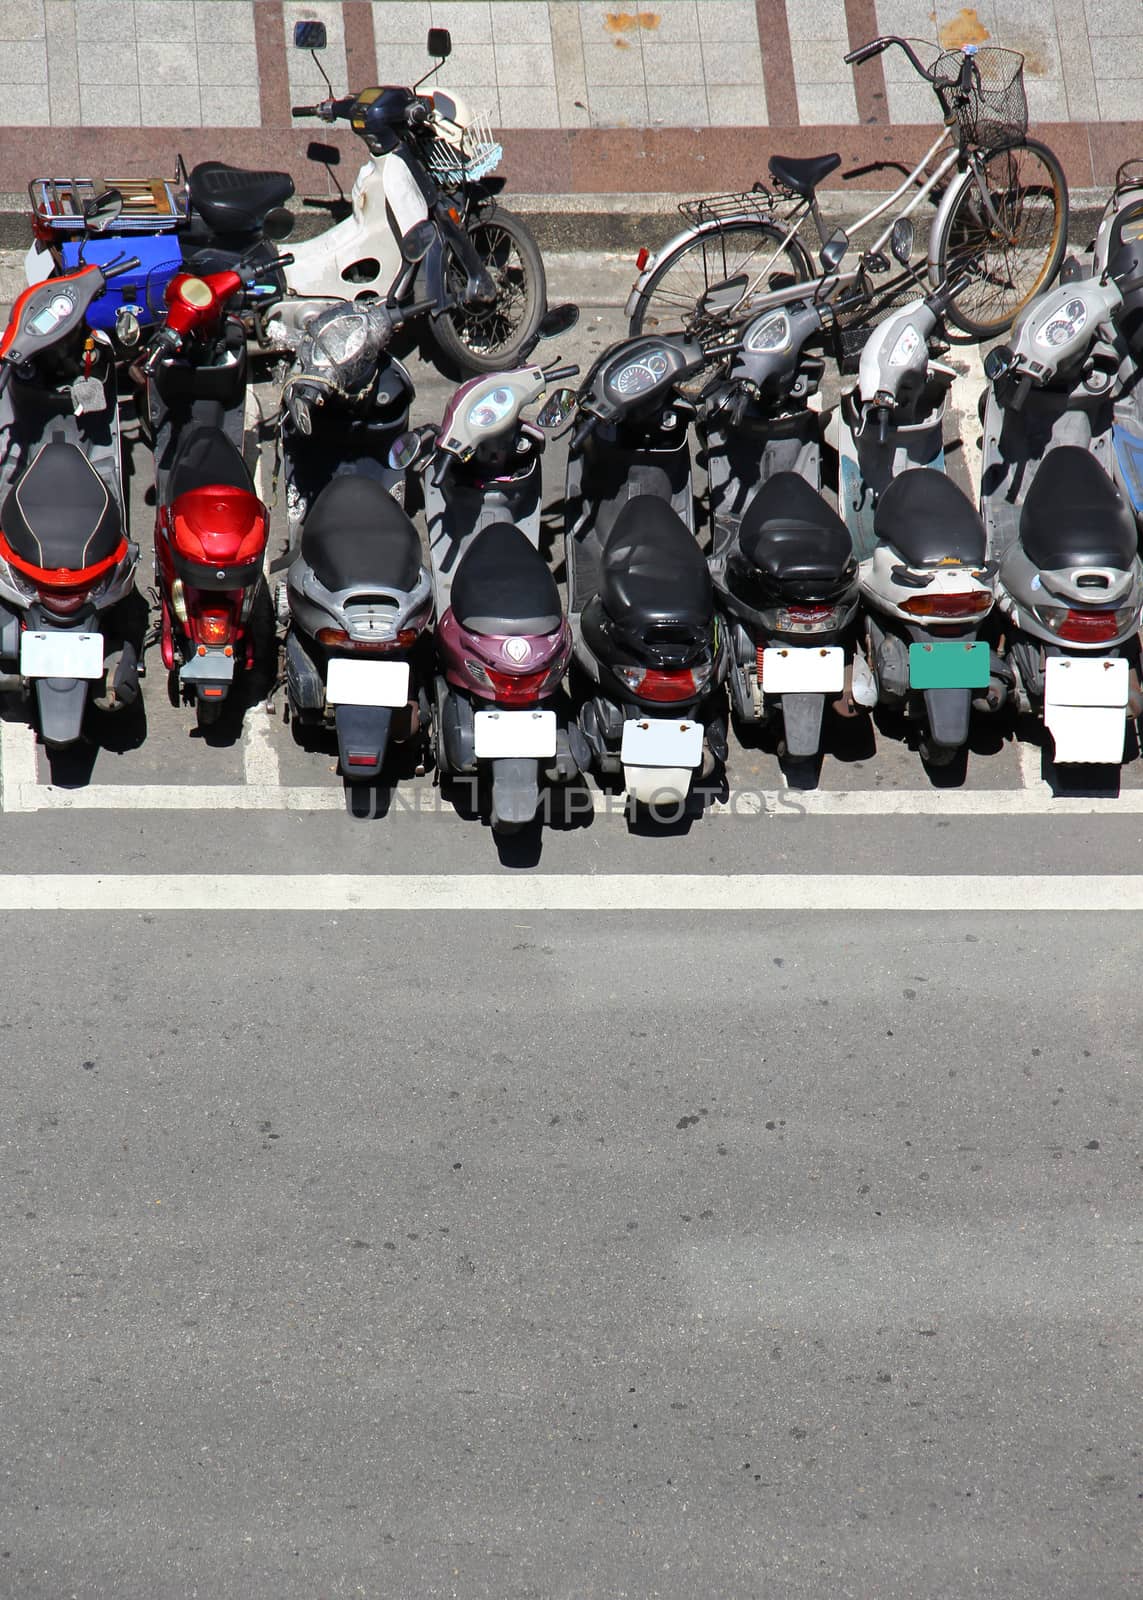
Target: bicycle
1003	204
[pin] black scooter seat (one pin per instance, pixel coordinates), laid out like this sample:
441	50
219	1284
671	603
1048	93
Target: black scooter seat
1074	516
503	585
652	571
60	514
206	457
233	200
793	536
803	175
356	534
927	519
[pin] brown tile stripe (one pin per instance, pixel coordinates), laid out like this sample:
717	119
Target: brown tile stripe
869	76
360	42
273	78
554	161
777	63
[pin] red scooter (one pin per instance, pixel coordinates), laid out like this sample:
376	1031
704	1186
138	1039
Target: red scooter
210	526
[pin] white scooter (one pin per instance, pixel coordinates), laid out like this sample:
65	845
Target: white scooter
429	163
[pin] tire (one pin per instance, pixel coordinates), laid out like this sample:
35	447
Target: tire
1029	193
488	338
681	277
207	712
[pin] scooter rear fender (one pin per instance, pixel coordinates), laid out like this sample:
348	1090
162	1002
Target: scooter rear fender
61	703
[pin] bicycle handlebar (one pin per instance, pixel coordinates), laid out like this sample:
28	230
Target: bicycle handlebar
305	111
876	46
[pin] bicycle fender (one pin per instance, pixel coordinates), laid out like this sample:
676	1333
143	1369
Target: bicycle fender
951	198
697	231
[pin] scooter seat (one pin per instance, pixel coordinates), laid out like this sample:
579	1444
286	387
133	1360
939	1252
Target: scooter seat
803	175
60	513
205	458
652	571
233	200
793	536
503	585
1074	516
356	534
927	519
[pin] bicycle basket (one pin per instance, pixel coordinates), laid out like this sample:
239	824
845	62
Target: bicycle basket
473	156
997	106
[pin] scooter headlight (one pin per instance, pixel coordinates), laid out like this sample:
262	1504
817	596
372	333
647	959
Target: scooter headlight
768	334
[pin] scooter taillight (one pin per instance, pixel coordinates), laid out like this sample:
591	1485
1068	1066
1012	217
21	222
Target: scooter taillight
64	602
214	627
520	689
338	639
651	683
949	607
1086	627
807	619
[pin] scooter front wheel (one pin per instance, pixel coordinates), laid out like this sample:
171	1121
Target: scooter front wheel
488	338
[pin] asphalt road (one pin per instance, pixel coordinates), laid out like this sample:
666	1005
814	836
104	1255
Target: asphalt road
608	1255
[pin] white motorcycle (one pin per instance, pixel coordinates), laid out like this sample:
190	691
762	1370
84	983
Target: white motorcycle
421	223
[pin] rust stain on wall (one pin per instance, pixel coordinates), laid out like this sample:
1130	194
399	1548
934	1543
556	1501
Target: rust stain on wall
965	28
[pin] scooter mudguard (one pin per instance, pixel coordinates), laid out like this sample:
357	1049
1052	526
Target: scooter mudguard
435	274
948	711
362	739
61	703
515	789
802	723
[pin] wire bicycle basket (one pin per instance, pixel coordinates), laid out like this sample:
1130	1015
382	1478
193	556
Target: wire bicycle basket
996	108
457	154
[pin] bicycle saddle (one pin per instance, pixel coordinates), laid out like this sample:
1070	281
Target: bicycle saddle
802	177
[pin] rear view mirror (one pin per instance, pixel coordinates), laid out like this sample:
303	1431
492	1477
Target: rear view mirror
102	210
440	43
127	329
558	319
278	223
415	244
408	448
326	155
558	408
997	362
901	241
723	297
309	35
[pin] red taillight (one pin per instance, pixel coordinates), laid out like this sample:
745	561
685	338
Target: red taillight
362	761
817	614
1090	627
517	689
214	627
949	607
338	639
63	602
642	258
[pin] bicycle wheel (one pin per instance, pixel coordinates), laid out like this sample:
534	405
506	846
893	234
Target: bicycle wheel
685	274
488	338
1014	242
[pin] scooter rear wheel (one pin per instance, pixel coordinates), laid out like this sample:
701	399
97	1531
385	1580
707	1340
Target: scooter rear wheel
488	338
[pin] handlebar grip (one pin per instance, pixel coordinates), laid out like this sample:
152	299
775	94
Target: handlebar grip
305	111
556	374
865	51
115	268
582	432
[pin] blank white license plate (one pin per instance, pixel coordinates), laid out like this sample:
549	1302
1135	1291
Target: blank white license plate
515	733
661	742
803	669
59	654
366	683
1074	681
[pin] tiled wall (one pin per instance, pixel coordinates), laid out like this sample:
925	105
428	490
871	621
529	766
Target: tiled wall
550	63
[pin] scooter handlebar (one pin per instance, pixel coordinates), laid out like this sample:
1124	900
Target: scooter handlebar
305	111
113	270
557	374
583	431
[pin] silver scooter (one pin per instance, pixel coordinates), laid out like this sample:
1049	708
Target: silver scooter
1070	581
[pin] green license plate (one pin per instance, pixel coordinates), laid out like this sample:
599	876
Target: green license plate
949	664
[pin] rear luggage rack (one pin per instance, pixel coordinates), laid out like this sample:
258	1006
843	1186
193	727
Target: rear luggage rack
759	202
150	205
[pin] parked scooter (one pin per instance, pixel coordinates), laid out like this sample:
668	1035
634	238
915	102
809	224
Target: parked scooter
502	638
211	527
1070	580
640	598
67	567
360	602
924	580
428	160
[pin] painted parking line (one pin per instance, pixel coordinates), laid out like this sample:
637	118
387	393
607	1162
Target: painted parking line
536	892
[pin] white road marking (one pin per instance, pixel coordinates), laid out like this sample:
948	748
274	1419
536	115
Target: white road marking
259	758
1032	766
424	800
17	763
622	892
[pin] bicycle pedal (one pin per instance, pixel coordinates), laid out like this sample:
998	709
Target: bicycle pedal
876	262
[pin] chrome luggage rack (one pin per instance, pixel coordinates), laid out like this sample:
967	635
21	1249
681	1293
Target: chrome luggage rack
757	202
